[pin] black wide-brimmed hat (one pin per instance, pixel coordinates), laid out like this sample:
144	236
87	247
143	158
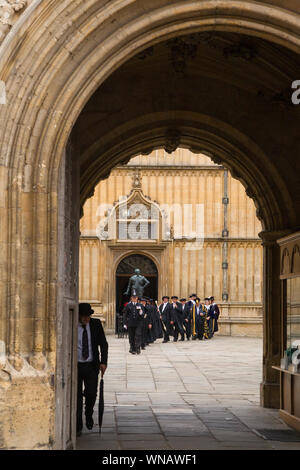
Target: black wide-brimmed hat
174	297
85	310
166	297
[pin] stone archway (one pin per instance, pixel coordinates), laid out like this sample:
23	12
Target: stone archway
76	48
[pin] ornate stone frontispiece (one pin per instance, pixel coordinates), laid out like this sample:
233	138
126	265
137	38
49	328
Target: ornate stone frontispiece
9	13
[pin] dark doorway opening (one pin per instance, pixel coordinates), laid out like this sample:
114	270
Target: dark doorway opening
125	270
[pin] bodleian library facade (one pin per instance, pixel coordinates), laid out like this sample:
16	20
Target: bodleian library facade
184	193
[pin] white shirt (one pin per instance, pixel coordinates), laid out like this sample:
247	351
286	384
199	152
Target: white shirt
79	344
164	306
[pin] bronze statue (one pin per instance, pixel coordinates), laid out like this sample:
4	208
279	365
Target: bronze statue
137	284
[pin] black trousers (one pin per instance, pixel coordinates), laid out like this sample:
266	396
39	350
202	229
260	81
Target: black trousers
144	338
188	328
178	329
168	330
211	327
199	326
87	375
135	336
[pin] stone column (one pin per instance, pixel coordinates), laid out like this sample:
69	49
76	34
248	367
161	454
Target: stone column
272	319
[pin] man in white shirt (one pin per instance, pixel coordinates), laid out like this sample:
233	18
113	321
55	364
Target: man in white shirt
177	318
191	327
166	318
90	337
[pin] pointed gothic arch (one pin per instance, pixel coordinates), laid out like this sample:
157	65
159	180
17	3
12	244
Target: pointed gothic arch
52	61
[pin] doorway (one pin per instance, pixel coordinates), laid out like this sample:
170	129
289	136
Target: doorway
125	270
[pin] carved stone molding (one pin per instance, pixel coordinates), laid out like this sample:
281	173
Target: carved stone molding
270	238
172	140
9	13
90	242
289	255
137	179
245	243
178	171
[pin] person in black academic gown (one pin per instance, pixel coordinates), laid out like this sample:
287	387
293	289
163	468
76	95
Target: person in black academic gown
205	310
186	318
144	335
133	321
216	313
159	332
147	337
191	329
156	330
176	310
90	337
166	318
211	318
199	319
151	324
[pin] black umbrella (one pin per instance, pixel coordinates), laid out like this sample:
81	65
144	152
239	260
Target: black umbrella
101	403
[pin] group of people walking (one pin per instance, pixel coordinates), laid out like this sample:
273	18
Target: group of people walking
146	321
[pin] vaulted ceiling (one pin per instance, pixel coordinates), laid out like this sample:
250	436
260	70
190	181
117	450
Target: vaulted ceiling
200	91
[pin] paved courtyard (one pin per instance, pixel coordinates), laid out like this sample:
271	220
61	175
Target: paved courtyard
185	395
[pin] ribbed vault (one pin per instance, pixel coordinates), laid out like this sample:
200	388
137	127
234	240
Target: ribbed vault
223	93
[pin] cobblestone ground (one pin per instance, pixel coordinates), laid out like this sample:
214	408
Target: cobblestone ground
185	395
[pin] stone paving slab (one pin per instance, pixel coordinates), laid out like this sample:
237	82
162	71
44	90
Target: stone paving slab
174	396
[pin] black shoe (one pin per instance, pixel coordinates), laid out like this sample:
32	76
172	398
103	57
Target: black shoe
143	347
165	341
78	433
175	341
188	338
89	423
138	351
182	339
